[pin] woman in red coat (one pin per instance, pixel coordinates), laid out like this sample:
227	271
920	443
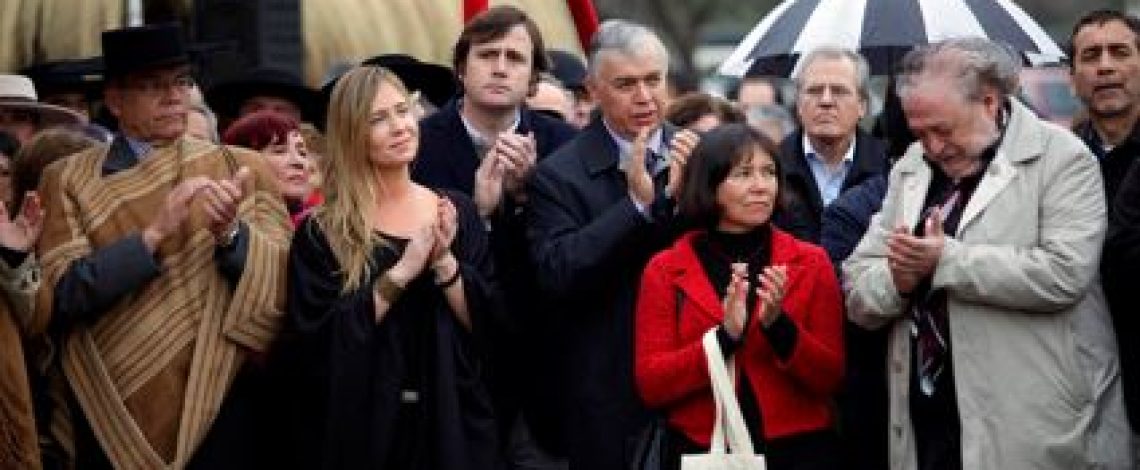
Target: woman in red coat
773	300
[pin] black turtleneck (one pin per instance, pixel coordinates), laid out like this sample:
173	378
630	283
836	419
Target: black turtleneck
717	251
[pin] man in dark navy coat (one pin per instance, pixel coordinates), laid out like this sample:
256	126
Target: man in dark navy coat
823	160
486	143
828	154
601	206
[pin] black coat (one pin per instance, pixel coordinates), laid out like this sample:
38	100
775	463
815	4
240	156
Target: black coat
590	245
447	159
351	406
803	211
1120	261
1120	268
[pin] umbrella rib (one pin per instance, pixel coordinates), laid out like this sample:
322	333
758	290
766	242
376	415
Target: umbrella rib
757	40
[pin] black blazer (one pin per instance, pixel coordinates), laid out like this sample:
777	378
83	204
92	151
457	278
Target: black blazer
447	159
802	214
1120	268
590	245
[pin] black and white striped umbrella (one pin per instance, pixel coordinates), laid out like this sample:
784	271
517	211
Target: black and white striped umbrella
882	30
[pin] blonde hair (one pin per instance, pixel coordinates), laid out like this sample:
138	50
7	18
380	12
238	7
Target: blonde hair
349	185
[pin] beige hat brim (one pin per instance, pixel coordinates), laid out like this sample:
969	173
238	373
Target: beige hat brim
50	114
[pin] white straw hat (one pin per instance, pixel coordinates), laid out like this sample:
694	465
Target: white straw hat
18	92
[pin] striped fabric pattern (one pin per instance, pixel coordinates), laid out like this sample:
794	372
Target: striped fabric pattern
882	30
187	319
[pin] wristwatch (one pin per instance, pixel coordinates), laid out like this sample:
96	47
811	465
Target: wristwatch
227	239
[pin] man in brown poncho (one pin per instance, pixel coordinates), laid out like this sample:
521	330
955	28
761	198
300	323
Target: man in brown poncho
19	279
163	264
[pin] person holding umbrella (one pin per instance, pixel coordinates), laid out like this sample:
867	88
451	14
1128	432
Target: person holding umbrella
982	264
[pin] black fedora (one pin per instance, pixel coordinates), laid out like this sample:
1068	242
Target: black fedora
435	82
68	76
227	97
137	48
567	68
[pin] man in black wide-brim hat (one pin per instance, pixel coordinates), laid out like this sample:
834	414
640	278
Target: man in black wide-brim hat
265	89
162	256
75	84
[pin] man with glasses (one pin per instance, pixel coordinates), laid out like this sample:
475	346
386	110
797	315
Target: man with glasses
162	261
829	154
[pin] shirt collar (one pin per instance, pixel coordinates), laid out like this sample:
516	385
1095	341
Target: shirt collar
477	137
653	144
848	156
138	147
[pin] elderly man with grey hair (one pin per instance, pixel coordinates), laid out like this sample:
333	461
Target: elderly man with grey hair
823	160
983	265
829	153
600	207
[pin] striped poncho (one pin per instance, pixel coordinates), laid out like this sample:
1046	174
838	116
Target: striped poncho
150	372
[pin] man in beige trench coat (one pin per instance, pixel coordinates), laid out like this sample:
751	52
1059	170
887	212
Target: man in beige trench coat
983	262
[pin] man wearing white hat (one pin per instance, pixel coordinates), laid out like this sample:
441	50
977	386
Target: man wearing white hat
21	113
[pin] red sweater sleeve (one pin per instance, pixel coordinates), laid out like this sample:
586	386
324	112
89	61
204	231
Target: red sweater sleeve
666	369
817	360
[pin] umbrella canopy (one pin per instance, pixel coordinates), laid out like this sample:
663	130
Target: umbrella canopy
882	30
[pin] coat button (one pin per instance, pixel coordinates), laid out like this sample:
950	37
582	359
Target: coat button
897	366
898	430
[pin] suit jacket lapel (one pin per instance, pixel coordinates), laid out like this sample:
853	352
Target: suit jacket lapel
866	162
796	167
1022	142
464	161
600	150
997	177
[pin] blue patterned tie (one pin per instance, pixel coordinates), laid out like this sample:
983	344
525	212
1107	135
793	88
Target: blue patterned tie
651	161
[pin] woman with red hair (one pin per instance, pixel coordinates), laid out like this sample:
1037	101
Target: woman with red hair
279	139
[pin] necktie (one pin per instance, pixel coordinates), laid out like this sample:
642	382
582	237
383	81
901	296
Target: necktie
931	323
651	161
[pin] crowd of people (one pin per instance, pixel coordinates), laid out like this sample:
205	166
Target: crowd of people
511	263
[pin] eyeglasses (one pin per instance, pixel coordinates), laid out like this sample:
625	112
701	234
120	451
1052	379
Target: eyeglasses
155	85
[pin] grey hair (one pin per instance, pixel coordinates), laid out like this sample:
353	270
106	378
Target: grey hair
975	65
627	38
862	70
211	118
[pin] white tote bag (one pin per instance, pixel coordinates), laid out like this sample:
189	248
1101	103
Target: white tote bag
729	431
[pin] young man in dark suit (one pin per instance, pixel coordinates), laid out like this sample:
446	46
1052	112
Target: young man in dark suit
486	143
600	207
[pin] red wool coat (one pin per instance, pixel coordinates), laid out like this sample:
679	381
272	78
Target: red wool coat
794	396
